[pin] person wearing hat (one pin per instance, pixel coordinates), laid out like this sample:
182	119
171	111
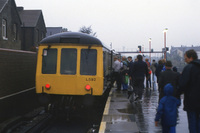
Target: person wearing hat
168	76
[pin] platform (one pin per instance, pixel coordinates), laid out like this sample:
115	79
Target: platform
118	114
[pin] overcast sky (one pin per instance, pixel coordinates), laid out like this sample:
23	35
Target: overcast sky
126	23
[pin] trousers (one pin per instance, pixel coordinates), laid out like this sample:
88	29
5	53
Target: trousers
193	121
138	86
167	129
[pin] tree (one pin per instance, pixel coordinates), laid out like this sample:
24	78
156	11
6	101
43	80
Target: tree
88	30
64	30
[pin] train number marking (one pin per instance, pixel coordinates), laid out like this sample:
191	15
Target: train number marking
90	79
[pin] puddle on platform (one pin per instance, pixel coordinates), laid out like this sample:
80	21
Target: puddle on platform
117	118
126	111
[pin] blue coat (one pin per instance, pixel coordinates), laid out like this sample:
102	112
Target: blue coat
167	109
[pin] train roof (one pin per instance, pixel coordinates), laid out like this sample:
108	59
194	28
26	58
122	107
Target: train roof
72	37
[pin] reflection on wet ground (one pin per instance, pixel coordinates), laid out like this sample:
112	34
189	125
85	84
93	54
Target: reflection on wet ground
145	113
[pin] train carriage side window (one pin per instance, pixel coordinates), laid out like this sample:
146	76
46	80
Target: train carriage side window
49	61
88	62
68	61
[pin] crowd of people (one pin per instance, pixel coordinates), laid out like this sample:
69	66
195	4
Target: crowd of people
171	85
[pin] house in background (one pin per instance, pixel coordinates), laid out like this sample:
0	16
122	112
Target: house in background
10	31
33	28
180	51
55	30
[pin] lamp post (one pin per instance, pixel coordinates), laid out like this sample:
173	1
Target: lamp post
165	34
150	50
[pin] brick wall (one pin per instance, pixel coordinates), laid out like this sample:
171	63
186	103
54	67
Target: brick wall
17	71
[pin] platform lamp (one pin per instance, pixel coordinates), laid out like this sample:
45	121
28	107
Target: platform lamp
165	34
150	50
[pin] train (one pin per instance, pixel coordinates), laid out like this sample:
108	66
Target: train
74	68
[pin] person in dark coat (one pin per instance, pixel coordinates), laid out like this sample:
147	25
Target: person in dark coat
130	62
168	76
138	70
159	68
167	110
189	84
175	69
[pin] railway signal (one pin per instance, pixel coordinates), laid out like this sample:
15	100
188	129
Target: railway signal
139	47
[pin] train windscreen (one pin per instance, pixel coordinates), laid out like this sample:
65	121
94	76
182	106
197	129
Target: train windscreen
49	61
88	62
68	61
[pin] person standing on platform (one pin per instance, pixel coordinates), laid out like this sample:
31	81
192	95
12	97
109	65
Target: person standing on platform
116	73
138	70
189	84
167	110
163	62
124	74
159	69
130	61
167	76
153	68
148	79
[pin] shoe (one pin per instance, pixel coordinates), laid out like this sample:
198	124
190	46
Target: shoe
131	100
140	100
137	98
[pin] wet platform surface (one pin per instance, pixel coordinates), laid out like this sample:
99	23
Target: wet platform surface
138	117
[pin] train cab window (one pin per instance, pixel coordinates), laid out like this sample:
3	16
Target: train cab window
88	62
49	61
68	61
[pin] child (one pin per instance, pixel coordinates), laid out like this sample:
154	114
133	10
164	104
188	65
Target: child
167	110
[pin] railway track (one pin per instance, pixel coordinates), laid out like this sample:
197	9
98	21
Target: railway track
29	123
85	120
41	122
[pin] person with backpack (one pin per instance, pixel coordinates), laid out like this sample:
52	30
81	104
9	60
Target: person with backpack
189	84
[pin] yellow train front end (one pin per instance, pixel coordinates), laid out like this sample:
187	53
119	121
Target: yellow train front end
69	70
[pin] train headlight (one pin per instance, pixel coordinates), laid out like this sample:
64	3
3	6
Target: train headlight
87	87
47	86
